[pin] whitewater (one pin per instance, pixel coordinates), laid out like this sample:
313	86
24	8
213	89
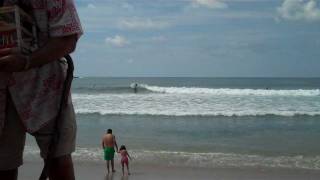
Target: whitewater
193	101
200	122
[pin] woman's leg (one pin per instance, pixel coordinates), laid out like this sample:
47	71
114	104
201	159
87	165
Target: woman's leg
9	174
62	168
12	140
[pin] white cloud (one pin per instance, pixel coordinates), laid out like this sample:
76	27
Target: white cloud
127	6
141	23
91	6
159	39
130	61
299	10
213	4
117	41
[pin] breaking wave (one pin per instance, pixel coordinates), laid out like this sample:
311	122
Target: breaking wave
232	92
204	114
145	88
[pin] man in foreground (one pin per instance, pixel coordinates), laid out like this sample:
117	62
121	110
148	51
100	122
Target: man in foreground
108	144
31	90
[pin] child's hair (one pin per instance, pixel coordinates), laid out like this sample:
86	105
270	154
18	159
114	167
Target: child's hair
123	147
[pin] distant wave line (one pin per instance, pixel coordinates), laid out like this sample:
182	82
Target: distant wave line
229	91
144	88
204	114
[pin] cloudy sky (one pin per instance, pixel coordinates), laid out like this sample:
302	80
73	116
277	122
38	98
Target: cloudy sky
196	38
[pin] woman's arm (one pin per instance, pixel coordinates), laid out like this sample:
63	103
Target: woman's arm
56	47
115	143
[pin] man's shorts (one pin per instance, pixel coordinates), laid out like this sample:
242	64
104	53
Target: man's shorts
108	153
12	140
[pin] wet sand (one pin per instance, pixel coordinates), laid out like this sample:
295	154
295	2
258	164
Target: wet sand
97	171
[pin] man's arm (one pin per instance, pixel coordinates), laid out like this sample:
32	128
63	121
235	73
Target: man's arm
115	143
103	143
56	47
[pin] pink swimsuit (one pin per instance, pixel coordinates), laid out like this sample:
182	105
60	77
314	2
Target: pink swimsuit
124	157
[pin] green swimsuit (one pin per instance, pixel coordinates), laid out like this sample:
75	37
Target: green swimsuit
109	153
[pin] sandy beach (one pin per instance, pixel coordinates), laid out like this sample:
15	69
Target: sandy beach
97	171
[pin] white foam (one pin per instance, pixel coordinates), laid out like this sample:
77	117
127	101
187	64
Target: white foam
209	159
172	113
189	159
232	92
195	105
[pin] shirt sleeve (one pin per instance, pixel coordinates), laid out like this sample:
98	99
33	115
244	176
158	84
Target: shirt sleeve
63	18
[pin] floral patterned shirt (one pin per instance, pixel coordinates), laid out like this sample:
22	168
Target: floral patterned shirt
36	93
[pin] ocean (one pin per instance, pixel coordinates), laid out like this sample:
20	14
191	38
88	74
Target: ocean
200	122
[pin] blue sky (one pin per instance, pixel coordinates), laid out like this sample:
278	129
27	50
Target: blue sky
199	38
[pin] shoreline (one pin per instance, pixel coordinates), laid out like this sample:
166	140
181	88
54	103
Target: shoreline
85	170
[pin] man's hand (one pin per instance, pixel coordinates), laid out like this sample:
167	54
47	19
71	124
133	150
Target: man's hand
11	60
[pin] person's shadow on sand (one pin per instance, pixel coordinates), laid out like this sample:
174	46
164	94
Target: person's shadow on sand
125	178
111	177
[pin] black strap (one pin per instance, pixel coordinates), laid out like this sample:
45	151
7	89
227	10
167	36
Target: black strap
64	99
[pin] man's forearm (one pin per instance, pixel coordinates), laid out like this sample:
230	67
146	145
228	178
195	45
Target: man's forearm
53	50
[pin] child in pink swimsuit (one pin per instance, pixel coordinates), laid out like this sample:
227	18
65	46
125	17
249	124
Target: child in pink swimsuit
124	158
